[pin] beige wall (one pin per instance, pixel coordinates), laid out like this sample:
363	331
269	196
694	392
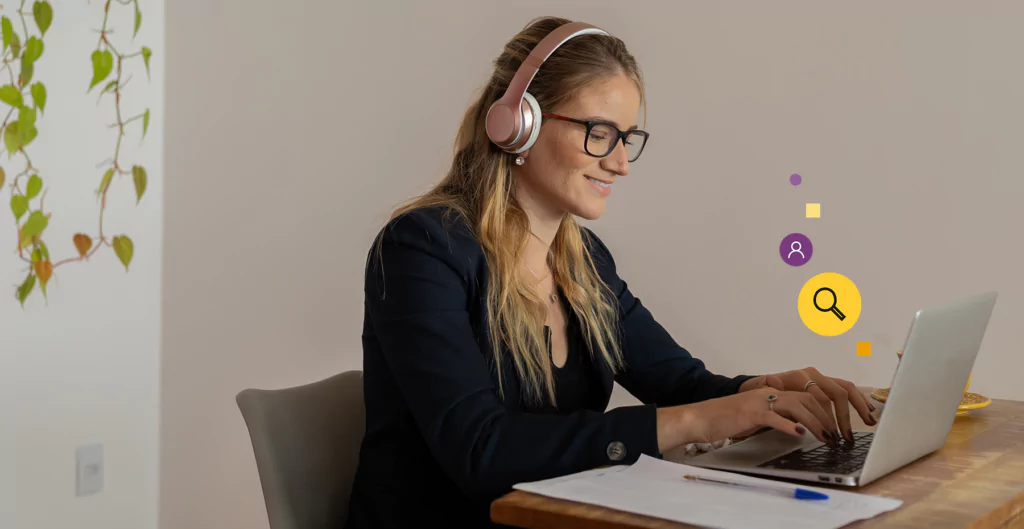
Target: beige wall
293	127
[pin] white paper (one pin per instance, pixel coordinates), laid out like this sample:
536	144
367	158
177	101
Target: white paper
656	488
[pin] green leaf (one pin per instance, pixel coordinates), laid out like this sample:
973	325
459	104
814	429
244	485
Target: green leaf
45	250
28	69
19	205
139	176
12	138
35	185
3	176
106	180
102	64
35	224
15	45
146	54
27	119
26	288
22	131
8	30
43	14
33	50
12	96
28	135
37	255
39	96
138	19
109	85
124	249
145	123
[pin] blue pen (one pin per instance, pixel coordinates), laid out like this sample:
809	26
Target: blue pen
798	493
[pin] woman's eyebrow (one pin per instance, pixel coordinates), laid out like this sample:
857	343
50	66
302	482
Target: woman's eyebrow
606	120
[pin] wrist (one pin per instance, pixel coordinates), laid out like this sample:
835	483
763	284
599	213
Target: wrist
676	426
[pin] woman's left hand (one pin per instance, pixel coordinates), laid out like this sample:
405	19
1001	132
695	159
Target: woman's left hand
828	391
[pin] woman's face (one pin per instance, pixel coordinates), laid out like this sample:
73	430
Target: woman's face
558	175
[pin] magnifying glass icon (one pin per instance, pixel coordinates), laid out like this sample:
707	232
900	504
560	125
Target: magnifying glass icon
831	308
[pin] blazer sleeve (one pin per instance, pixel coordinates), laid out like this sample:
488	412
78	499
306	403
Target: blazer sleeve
418	302
658	370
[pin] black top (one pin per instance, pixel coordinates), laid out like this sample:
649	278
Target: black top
440	442
577	383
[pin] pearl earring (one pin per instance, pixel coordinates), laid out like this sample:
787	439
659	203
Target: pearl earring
520	160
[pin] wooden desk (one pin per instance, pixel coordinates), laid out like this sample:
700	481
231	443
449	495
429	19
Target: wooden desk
976	480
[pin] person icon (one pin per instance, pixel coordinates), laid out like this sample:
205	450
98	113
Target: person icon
796	247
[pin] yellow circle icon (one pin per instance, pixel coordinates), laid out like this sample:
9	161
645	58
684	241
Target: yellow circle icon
829	304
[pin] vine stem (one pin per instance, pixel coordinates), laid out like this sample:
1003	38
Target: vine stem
101	239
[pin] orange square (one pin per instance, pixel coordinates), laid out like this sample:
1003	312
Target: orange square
863	348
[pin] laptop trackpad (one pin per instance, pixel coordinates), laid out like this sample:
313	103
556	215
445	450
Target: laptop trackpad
756	450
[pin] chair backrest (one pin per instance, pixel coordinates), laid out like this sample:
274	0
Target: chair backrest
306	440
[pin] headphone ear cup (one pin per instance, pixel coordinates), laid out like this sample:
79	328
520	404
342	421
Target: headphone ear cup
535	127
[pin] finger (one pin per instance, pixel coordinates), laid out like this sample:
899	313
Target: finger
857	399
774	420
774	382
821	406
793	408
826	406
840	401
824	417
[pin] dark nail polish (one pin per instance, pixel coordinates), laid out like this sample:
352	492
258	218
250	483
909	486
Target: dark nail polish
800	430
871	407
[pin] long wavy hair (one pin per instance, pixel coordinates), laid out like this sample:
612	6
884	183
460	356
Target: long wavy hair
480	188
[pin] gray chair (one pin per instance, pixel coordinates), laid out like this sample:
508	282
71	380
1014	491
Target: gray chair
306	440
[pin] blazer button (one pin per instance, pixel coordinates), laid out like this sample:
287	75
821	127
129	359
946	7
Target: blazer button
616	451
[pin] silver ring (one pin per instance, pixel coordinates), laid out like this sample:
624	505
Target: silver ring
771	402
809	384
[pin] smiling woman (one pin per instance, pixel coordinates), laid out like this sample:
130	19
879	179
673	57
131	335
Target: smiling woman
495	324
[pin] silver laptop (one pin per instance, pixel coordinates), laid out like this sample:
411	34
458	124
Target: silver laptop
937	359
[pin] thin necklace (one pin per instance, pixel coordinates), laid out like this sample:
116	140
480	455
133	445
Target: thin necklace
554	298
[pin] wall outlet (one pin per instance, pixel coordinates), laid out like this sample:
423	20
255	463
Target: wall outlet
89	474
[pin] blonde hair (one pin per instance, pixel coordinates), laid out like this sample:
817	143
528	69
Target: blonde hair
479	188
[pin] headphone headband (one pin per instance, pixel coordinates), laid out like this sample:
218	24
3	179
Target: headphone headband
510	120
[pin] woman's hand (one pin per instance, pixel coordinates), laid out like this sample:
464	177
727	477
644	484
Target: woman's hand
826	391
715	419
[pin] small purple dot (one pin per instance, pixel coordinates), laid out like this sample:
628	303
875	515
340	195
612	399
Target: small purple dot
795	179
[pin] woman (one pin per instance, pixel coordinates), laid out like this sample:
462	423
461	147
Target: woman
495	324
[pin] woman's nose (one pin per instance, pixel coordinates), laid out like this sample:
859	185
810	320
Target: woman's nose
618	161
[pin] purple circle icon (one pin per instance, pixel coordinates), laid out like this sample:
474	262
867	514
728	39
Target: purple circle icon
795	179
796	249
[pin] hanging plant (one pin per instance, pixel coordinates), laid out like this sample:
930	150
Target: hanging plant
27	101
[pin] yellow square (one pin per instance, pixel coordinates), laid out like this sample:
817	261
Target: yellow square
814	211
863	348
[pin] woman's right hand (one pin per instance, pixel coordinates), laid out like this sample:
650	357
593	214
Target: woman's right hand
716	419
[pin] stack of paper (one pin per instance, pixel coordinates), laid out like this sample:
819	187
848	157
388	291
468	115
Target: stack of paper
656	488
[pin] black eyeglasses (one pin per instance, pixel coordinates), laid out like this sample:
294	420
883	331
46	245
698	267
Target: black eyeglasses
602	137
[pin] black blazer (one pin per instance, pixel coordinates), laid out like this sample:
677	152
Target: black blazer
440	444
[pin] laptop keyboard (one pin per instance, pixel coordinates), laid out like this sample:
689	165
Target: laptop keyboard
846	458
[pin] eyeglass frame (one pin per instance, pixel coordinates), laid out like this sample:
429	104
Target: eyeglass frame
590	126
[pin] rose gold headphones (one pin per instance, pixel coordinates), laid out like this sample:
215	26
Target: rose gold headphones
513	121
